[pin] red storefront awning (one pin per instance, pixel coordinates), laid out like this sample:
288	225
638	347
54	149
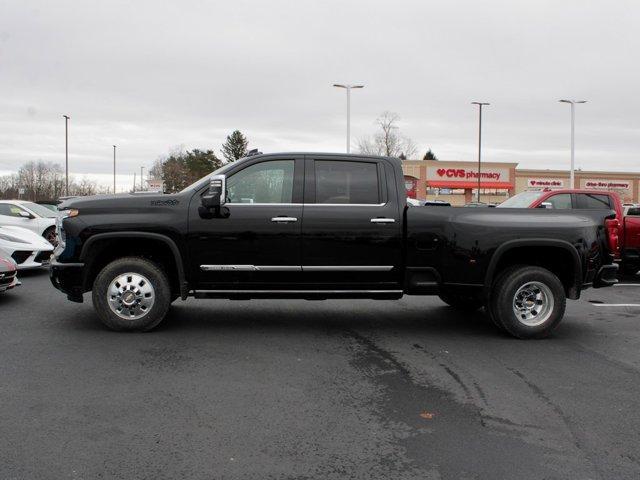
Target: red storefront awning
453	185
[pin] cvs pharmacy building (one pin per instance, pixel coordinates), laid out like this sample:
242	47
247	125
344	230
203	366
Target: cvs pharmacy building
457	182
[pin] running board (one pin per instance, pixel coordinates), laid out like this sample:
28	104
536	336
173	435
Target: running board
303	294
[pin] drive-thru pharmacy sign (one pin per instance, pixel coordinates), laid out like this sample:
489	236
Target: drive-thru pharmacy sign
603	184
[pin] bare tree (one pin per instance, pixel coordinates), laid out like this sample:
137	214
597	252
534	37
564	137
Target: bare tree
388	141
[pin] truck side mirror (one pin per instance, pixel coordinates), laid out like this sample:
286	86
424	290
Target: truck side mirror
546	205
215	197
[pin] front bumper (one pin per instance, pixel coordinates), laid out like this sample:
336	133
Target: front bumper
606	276
68	278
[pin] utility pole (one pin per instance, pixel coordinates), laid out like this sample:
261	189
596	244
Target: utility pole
66	154
573	133
141	176
114	169
134	181
348	87
480	105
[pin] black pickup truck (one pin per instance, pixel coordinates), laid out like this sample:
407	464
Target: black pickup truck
323	226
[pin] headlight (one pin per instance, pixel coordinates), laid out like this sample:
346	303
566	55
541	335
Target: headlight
62	238
9	238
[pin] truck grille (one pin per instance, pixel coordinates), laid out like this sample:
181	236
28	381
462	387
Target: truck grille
20	256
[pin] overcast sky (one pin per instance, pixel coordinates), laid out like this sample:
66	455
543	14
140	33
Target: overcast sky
153	75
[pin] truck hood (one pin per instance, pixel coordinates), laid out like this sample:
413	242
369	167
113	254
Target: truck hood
121	201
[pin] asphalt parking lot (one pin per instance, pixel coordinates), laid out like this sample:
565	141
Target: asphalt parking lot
329	389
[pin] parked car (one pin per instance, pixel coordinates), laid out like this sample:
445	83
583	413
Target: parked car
626	222
51	205
27	249
8	274
319	226
30	215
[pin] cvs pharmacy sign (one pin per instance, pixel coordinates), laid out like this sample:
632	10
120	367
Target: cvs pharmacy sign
467	174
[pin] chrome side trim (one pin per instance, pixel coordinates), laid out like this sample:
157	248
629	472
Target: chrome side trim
298	291
344	204
296	268
230	204
347	268
250	268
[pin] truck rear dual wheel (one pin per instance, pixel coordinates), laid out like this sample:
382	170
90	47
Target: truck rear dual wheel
527	301
131	293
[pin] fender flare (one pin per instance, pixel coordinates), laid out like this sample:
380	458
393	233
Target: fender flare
533	242
182	282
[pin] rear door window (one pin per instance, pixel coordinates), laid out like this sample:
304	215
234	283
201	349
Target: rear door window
593	201
347	182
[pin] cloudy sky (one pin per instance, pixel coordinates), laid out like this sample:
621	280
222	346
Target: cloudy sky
151	76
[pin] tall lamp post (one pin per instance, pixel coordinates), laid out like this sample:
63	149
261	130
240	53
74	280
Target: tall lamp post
348	88
66	154
480	105
573	133
114	169
141	168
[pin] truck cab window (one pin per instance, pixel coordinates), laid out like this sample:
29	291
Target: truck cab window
346	182
593	200
265	182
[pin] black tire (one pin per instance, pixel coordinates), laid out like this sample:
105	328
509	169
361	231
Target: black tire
50	236
540	293
467	303
157	282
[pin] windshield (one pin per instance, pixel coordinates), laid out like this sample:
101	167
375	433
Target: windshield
201	182
40	210
521	200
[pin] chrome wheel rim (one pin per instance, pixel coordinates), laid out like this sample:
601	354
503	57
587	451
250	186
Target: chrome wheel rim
533	304
131	296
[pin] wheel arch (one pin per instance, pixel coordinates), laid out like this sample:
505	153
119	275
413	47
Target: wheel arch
88	254
543	252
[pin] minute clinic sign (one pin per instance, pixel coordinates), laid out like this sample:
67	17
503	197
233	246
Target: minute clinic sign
545	183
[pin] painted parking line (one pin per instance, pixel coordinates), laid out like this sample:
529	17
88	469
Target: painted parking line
616	304
627	285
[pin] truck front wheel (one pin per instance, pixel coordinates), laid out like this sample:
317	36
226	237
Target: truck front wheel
528	301
131	293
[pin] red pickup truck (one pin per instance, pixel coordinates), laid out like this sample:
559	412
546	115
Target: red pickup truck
626	227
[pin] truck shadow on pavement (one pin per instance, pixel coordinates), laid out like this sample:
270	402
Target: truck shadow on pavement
339	315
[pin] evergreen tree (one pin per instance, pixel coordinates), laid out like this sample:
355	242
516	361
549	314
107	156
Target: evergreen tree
430	155
235	147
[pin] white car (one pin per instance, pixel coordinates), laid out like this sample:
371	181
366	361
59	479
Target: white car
38	219
27	249
8	277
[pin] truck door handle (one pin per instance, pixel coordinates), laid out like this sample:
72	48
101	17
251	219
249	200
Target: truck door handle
382	220
284	219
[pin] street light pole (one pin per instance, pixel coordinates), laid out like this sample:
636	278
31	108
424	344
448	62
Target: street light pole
141	168
66	154
573	134
480	105
348	88
114	169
